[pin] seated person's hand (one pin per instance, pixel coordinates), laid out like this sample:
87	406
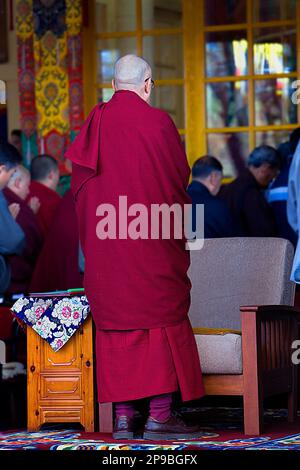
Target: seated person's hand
14	209
34	204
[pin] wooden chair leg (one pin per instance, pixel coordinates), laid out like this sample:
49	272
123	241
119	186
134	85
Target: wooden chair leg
253	414
253	402
105	417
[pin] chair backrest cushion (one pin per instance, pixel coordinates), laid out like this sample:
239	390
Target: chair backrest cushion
230	272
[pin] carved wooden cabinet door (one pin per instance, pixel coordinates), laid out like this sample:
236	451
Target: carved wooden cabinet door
60	386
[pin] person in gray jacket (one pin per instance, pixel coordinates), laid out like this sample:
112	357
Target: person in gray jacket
11	235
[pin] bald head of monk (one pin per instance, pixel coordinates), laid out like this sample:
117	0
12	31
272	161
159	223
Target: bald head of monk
19	182
44	169
133	73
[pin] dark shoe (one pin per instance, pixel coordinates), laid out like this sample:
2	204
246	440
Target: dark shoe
127	428
173	428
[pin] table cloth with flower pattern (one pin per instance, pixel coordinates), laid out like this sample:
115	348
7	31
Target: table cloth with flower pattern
55	319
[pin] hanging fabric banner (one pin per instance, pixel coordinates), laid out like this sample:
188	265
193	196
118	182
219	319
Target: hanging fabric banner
50	72
26	76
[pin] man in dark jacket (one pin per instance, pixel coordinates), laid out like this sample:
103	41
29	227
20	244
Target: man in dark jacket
207	175
277	193
245	195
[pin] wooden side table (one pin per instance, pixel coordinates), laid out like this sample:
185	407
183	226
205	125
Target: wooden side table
60	385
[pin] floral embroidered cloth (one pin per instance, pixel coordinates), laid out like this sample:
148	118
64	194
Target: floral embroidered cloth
54	319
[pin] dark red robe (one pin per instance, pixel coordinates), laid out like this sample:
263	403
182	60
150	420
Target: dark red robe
49	200
57	266
128	148
22	266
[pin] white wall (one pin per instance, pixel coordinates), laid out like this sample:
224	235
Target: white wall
9	73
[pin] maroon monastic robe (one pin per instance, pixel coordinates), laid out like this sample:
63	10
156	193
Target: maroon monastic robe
138	290
57	266
49	200
22	266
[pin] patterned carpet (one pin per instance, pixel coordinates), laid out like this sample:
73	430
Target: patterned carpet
218	434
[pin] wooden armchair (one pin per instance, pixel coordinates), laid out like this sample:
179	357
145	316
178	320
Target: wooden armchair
253	358
227	275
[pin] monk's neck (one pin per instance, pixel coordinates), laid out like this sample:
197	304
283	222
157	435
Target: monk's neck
130	93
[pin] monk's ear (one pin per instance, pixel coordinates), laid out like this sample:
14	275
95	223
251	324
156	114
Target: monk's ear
147	91
113	84
147	87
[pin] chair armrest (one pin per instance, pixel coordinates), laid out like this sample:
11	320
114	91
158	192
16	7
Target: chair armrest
268	333
271	312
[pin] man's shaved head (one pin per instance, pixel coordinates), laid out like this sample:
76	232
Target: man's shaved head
44	169
131	71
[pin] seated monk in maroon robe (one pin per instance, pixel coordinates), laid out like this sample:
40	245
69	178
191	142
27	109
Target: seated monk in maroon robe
22	265
44	180
137	287
57	267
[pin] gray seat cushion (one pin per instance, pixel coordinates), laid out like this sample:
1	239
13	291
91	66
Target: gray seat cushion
220	354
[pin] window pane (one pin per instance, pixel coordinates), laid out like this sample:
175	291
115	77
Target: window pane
274	138
273	104
110	50
104	94
162	14
224	12
115	15
274	50
226	53
165	55
270	10
231	149
227	104
171	99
